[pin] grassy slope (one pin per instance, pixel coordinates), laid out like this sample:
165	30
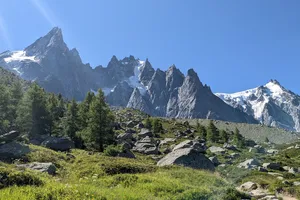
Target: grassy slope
255	132
84	176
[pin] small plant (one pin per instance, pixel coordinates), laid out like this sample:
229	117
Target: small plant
112	150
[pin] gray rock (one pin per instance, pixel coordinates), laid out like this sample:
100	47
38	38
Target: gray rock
217	150
234	155
146	145
166	141
248	186
187	157
145	132
296	183
58	143
272	151
130	124
42	167
273	166
9	137
13	150
214	160
126	154
249	164
261	169
229	147
125	136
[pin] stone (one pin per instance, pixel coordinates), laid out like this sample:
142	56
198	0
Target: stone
130	124
229	147
187	157
125	136
257	149
214	160
296	183
145	132
293	170
42	167
166	141
234	155
261	169
273	166
58	143
146	145
217	150
190	144
248	186
126	154
9	137
272	151
249	164
13	150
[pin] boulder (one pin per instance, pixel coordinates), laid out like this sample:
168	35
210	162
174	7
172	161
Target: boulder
234	155
146	145
9	137
130	124
129	130
13	150
229	147
273	166
272	151
126	154
293	170
261	169
190	144
214	160
217	150
249	164
58	143
248	186
125	136
166	141
257	149
187	157
145	132
296	183
42	167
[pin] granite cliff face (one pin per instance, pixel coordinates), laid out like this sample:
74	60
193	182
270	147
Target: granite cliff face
128	82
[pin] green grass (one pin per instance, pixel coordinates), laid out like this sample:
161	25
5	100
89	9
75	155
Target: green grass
84	175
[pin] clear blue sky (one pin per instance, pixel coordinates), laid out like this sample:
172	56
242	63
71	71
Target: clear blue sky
233	45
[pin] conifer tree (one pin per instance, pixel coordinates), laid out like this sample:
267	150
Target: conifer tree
224	136
156	126
238	139
4	108
99	127
84	108
212	132
32	113
201	131
148	123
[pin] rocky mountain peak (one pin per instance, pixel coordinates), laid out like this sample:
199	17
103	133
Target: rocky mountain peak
52	40
192	78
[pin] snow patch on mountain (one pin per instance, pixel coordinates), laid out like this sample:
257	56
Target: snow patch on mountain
20	56
134	81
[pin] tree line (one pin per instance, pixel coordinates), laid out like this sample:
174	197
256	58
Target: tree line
213	134
36	113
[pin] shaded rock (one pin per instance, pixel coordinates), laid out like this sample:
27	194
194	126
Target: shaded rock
190	144
125	136
234	155
145	132
261	169
126	154
248	186
130	124
146	145
229	147
187	157
9	137
129	130
13	150
257	149
273	166
58	143
214	160
217	150
42	167
272	151
249	164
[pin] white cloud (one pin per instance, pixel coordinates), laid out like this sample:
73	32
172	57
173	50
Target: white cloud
4	33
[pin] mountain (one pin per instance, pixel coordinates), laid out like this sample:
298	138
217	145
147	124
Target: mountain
271	104
128	82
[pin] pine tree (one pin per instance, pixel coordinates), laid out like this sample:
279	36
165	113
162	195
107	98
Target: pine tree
201	131
157	126
238	139
32	113
4	109
148	123
70	123
83	111
99	127
15	94
224	136
212	132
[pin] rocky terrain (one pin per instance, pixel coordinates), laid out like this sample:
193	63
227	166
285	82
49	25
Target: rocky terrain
146	164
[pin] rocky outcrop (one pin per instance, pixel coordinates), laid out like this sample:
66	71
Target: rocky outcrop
13	150
41	167
187	157
58	143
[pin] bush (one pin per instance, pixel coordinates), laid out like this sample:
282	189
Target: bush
233	194
112	150
9	178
